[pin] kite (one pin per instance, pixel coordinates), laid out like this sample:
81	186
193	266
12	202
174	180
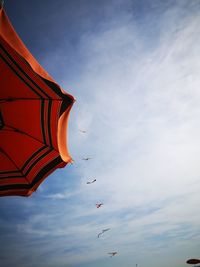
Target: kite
103	231
93	181
82	131
98	205
112	254
86	158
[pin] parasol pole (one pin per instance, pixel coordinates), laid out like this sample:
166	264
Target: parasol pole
1	3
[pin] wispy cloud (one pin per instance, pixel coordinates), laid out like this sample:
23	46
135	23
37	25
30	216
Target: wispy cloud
138	100
143	106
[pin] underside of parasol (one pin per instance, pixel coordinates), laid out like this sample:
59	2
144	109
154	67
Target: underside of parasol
34	112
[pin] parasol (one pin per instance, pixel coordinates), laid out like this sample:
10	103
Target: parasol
34	112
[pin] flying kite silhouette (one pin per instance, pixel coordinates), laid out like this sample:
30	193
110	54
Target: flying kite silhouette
91	182
86	158
112	254
98	205
103	231
82	131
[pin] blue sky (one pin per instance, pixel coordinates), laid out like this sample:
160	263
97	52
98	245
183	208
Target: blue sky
133	69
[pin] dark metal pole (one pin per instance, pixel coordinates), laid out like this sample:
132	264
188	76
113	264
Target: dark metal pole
1	3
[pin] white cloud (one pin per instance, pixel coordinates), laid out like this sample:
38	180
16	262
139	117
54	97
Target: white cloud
141	111
139	103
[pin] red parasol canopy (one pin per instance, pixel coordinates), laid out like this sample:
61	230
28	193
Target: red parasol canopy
34	112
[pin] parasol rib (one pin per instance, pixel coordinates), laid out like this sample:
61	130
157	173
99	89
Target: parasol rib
19	72
6	100
38	179
18	169
12	129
